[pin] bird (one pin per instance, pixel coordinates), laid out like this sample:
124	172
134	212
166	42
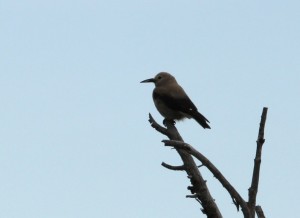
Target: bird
172	102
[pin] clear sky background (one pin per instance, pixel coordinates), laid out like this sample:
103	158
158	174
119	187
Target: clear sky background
74	137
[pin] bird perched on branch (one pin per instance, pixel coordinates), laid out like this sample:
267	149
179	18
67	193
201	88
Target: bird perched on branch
171	100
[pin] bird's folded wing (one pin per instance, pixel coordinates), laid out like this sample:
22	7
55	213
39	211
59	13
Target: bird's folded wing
174	101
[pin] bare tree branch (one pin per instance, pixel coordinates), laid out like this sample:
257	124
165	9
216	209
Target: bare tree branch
257	161
192	196
170	167
157	127
259	212
200	189
237	199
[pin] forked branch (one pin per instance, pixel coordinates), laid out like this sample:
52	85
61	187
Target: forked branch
200	191
237	199
199	188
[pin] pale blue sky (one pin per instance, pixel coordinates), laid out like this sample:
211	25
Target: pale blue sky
74	137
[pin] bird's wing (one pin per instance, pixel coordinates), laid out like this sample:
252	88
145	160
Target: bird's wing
176	100
179	101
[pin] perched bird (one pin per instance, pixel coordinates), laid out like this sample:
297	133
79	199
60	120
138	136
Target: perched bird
171	100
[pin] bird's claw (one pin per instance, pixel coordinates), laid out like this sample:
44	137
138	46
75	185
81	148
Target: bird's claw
165	121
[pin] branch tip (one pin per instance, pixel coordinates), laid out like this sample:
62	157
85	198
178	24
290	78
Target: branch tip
170	167
192	196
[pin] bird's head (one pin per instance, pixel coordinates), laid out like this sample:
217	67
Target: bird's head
161	79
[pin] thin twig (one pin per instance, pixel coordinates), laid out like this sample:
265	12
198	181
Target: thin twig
156	126
170	167
192	196
252	193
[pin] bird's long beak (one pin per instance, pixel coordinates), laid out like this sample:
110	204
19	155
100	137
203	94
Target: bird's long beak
148	81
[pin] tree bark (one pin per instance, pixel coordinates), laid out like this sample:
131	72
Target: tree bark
199	188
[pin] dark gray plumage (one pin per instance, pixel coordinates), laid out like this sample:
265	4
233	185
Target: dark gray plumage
171	100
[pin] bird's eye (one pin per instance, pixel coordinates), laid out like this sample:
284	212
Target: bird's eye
159	77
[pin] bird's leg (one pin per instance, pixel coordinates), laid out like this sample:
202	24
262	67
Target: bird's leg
170	121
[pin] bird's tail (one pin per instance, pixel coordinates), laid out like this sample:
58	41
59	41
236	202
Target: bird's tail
201	119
